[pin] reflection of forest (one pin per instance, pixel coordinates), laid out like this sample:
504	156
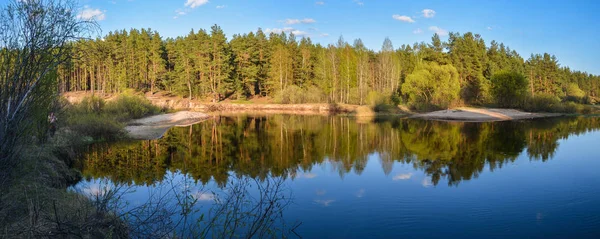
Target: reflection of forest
282	145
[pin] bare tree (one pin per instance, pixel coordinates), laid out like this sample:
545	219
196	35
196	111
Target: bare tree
35	36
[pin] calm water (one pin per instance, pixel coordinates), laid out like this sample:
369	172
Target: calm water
383	178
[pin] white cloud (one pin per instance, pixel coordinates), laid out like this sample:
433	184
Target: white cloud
320	3
91	14
360	3
428	13
403	18
489	28
221	6
439	31
402	176
279	30
300	33
195	3
418	31
179	12
325	35
298	21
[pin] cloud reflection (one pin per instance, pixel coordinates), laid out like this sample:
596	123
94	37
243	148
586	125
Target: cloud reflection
402	176
427	182
204	196
360	193
325	203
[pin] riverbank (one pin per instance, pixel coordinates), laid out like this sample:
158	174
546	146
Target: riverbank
262	105
482	115
166	101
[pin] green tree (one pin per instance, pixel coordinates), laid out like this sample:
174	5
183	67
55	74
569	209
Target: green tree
432	85
509	88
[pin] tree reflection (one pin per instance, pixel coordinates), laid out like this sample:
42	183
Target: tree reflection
285	145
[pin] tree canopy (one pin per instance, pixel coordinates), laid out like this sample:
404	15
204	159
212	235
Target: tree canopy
206	65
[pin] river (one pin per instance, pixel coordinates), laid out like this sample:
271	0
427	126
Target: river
341	177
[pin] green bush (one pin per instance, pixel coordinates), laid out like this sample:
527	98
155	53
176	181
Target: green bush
509	89
432	84
126	107
543	103
296	95
375	98
314	94
89	104
101	120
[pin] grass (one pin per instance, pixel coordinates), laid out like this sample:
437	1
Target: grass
104	121
35	203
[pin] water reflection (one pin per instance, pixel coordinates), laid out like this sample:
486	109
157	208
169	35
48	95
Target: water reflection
289	146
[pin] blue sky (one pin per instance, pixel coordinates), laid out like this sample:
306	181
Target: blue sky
568	29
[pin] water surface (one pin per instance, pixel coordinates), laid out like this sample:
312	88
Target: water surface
383	177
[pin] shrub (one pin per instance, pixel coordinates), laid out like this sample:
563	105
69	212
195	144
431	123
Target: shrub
314	94
542	103
90	104
574	93
296	95
375	98
127	107
509	89
432	84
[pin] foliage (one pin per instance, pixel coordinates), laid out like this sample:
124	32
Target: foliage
204	64
574	93
543	103
126	107
432	85
101	120
509	89
34	40
296	95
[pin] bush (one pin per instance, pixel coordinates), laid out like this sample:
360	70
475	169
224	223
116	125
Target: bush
543	103
296	95
509	89
89	105
375	98
93	117
432	84
314	95
127	107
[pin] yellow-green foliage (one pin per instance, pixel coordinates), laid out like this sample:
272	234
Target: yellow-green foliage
509	89
574	93
296	95
542	103
432	85
101	120
128	106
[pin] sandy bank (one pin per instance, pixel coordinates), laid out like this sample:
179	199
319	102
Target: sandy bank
154	127
482	115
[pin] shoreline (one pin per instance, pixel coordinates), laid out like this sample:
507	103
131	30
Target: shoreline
204	109
468	114
154	127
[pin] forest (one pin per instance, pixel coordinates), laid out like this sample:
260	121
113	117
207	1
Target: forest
207	66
